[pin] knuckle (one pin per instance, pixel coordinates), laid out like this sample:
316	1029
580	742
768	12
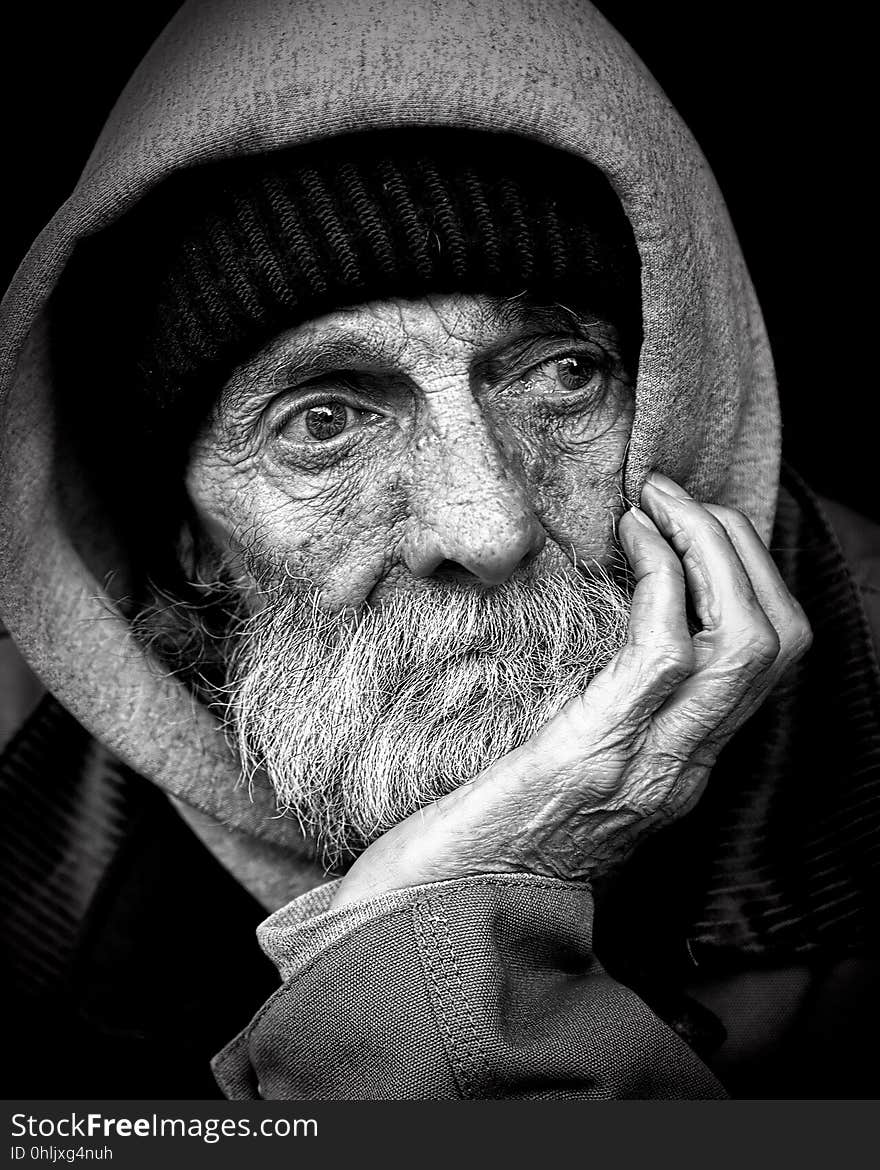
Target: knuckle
762	645
702	540
669	566
706	521
673	661
695	523
799	635
678	532
714	528
732	518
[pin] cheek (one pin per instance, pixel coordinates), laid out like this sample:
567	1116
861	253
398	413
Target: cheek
336	530
574	468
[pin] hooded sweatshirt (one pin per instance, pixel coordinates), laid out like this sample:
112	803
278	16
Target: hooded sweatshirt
227	79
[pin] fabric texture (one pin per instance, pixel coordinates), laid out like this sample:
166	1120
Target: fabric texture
484	987
227	80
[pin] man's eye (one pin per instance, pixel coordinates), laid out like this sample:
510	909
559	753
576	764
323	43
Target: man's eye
323	421
565	375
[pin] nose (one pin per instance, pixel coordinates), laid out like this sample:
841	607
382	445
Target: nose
470	513
488	546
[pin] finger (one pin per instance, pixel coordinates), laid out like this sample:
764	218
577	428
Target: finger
738	647
733	620
658	604
773	594
658	652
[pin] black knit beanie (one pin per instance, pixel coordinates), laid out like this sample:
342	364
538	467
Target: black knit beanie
223	257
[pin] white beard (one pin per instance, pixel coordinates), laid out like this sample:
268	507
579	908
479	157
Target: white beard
360	718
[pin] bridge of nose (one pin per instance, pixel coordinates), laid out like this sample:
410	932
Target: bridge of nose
469	503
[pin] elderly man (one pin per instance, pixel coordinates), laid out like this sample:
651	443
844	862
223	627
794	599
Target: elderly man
392	397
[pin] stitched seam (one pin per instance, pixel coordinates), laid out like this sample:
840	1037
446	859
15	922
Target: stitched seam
455	1016
427	950
487	882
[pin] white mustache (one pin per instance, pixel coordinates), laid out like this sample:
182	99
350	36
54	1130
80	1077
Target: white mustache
359	719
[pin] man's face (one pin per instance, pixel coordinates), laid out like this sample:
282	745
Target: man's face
410	493
454	437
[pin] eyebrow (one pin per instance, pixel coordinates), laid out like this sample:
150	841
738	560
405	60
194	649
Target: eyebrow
519	352
333	348
553	317
538	326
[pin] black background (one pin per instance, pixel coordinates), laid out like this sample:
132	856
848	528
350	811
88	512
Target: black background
776	95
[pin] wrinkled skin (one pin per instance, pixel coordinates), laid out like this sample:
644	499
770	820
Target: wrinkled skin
461	446
459	438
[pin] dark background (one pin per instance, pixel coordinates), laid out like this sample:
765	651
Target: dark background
776	95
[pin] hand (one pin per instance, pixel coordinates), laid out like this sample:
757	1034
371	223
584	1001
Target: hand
635	750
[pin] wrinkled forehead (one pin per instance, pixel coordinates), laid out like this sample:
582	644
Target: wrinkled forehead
476	318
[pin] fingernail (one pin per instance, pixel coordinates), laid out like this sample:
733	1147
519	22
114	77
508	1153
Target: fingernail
642	518
664	484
